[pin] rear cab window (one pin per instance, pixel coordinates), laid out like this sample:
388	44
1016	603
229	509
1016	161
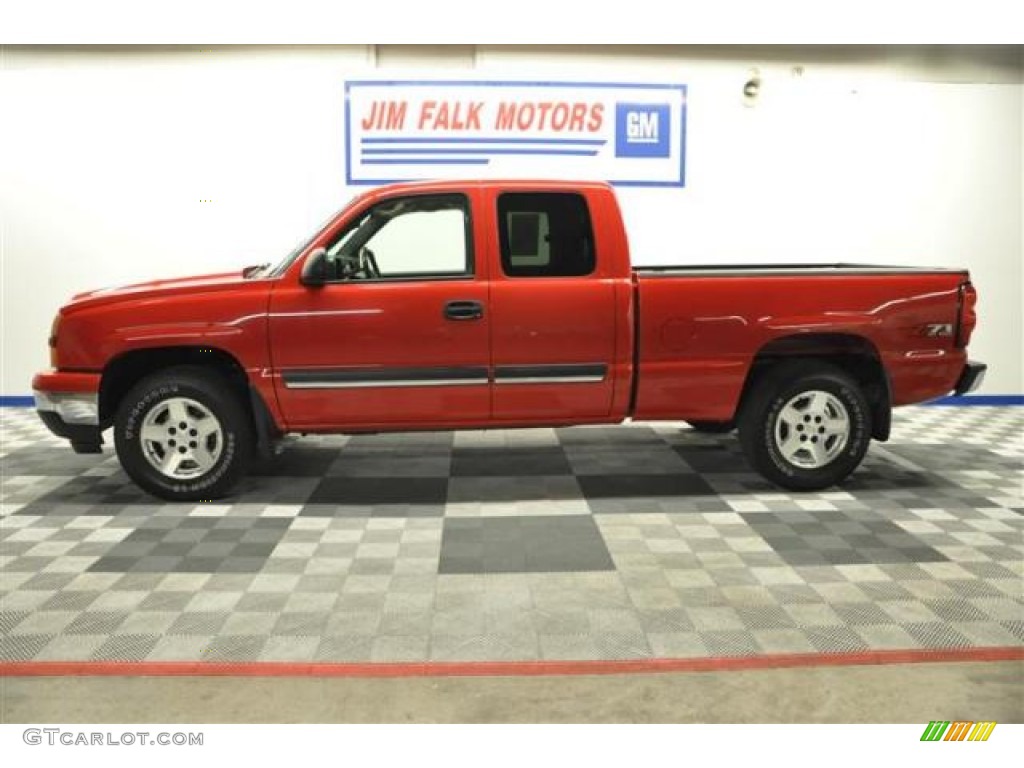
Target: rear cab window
545	234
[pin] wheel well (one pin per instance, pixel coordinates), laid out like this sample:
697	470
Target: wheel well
126	370
855	355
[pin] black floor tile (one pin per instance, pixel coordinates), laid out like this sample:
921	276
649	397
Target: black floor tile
368	491
610	438
643	486
419	442
506	462
298	462
713	459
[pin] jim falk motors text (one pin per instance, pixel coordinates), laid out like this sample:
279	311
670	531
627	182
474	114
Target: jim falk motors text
508	115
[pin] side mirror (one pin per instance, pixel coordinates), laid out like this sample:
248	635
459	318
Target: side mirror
250	271
314	270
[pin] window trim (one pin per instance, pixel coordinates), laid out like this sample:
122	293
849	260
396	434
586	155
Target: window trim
469	274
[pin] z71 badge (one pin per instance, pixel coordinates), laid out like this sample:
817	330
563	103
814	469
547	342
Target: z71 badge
937	330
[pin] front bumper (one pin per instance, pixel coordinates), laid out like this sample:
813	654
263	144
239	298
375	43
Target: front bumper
79	408
68	404
971	378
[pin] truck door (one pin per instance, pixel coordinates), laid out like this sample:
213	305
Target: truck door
399	334
553	324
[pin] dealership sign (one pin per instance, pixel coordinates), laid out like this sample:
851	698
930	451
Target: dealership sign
630	134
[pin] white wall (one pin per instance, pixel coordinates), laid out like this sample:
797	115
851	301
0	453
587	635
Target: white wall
119	166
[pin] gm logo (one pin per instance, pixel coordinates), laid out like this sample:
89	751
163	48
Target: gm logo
642	130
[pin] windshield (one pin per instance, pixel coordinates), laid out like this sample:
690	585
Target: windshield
288	260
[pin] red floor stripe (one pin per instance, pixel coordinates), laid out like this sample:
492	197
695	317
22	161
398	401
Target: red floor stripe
499	668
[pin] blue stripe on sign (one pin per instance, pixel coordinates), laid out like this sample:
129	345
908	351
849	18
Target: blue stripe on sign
979	400
425	161
482	140
475	151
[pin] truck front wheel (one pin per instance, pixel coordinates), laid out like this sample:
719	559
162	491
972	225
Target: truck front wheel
806	425
182	436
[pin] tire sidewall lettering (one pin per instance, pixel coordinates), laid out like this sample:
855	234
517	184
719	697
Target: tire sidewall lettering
145	404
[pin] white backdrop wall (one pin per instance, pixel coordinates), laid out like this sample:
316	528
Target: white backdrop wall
120	166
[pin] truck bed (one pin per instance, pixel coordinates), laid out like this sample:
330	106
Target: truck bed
787	270
699	328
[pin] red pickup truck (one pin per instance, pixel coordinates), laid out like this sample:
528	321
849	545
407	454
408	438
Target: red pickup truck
450	305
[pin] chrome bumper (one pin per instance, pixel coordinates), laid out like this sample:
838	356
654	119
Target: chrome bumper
72	407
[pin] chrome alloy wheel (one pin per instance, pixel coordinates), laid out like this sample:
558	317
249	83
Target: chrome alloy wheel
812	428
181	438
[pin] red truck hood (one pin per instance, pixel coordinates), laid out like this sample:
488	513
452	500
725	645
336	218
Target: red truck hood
197	284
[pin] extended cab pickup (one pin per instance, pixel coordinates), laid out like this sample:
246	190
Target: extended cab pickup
450	305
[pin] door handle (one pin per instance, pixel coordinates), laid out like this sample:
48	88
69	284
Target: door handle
463	310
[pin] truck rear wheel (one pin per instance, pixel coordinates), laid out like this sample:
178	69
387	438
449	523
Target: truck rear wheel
182	436
806	425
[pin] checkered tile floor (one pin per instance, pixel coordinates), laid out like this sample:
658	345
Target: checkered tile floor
588	543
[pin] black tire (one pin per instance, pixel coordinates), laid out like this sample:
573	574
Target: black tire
763	424
210	395
713	427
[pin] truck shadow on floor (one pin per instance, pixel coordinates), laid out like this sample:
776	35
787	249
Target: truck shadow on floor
379	475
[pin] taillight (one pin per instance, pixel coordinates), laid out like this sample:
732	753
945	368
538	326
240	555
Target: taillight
53	340
966	319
